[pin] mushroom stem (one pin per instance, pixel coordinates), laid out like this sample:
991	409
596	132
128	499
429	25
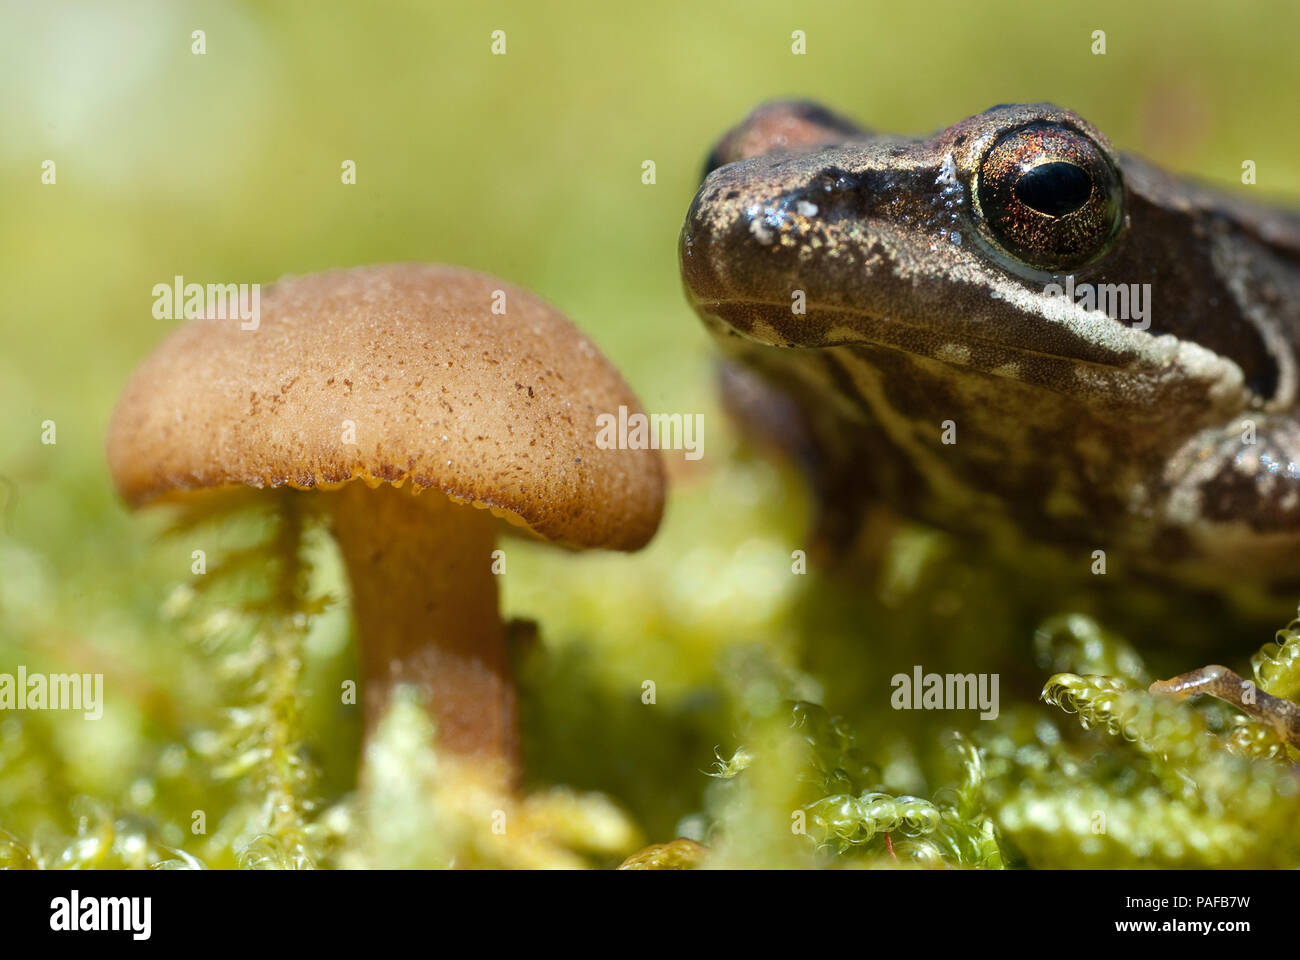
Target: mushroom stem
425	602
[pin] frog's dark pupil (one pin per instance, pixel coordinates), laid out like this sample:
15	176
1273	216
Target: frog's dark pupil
1054	188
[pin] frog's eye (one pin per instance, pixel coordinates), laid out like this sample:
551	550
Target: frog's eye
1050	196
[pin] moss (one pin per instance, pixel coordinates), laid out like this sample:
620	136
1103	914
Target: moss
699	691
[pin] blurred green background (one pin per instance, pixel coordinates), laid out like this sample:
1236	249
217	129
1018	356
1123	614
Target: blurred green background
225	167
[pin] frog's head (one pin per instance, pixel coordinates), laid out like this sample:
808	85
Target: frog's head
958	247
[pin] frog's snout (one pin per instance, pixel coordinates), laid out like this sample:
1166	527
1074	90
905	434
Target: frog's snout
724	238
697	252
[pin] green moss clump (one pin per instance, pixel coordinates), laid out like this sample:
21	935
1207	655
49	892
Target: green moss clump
1154	783
829	806
671	694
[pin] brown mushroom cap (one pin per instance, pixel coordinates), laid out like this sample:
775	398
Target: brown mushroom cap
496	410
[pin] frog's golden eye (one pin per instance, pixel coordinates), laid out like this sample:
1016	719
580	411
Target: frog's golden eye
1049	196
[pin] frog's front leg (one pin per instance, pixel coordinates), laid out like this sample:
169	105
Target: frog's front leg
1231	498
842	466
768	412
1236	489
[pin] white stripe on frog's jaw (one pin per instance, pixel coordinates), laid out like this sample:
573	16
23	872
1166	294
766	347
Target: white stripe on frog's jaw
1165	373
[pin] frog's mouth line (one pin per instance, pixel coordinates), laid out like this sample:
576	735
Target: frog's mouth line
790	332
1140	386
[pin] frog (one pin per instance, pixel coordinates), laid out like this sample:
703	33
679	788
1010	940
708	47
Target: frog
904	315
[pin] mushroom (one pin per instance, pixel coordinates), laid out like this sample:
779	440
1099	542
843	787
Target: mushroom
374	384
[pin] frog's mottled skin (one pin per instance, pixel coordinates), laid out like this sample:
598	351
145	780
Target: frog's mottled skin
1071	427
